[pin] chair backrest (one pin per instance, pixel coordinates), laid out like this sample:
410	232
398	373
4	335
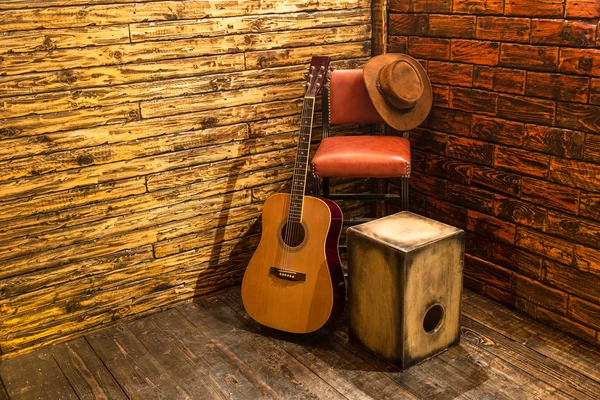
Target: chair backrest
349	101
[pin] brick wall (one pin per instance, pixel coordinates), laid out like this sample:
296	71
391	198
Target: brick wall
511	151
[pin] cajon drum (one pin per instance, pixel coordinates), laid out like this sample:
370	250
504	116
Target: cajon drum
405	287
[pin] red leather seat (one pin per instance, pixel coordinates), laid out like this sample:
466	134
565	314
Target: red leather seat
358	156
363	157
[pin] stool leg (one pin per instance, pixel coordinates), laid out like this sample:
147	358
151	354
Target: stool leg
325	188
404	199
405	181
316	186
377	205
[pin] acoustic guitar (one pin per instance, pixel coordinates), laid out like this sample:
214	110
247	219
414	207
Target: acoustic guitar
294	281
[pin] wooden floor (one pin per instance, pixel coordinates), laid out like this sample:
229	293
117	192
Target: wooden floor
211	349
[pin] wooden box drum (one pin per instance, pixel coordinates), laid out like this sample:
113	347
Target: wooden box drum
405	287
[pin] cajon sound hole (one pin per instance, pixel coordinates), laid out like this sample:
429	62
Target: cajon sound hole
433	319
293	233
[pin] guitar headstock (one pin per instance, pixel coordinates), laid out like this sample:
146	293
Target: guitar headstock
317	75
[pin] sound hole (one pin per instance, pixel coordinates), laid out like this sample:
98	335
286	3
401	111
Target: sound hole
433	319
293	233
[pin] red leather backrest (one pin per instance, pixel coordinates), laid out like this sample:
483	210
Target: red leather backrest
349	101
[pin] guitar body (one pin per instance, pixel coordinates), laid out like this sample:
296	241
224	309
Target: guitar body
294	281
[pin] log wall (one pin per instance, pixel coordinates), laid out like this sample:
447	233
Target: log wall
138	142
511	151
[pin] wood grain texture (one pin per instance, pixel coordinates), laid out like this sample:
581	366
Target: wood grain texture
450	73
558	87
580	61
85	372
470	197
482	7
139	142
504	29
103	14
349	374
475	52
139	367
448	168
526	109
519	261
565	33
572	280
436	49
276	302
239	340
213	349
196	363
499	79
497	180
559	142
497	130
36	376
545	8
530	57
550	195
521	161
537	336
582	9
519	212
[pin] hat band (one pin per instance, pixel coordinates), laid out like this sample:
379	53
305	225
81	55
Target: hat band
387	100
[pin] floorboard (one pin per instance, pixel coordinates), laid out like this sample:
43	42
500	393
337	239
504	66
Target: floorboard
3	393
85	371
504	377
140	375
193	360
35	376
544	368
212	349
450	375
274	368
347	373
573	353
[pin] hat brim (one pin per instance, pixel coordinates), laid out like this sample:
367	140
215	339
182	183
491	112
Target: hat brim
401	121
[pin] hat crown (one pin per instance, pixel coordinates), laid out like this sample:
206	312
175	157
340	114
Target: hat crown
399	89
401	84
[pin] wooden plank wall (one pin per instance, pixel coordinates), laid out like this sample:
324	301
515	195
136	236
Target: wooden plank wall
511	152
138	141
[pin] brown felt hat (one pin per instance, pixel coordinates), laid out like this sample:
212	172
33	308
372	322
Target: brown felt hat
400	90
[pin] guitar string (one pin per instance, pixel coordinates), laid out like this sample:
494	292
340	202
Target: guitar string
291	224
304	159
294	229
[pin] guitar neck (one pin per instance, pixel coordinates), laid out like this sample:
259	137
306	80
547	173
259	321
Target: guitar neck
302	156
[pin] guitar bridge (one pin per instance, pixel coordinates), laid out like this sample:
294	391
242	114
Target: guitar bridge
288	274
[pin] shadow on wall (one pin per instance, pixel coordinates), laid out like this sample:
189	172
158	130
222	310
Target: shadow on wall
231	248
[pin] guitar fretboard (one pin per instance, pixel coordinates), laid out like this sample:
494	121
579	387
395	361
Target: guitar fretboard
302	154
